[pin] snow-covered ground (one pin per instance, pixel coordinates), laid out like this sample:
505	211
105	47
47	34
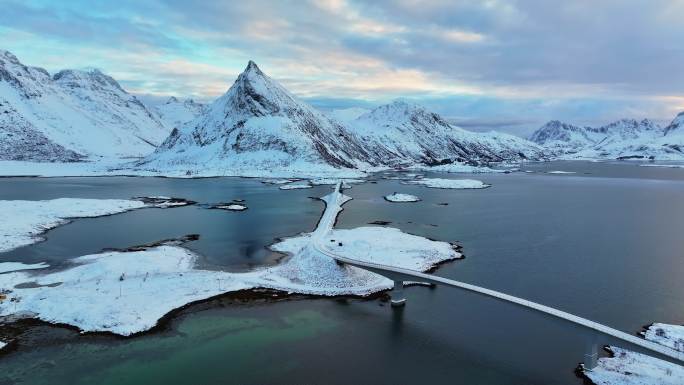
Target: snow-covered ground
16	266
295	186
561	172
55	169
24	222
230	207
346	183
459	168
2	345
277	181
399	197
663	165
448	183
631	368
665	334
128	292
120	292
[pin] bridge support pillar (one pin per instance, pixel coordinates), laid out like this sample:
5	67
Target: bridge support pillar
591	353
398	298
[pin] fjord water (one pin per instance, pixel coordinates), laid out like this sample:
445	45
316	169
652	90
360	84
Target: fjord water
604	243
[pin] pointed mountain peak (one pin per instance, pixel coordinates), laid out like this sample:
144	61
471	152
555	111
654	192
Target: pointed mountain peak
252	68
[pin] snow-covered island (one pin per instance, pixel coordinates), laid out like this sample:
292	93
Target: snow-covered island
448	183
112	291
559	172
295	186
230	206
24	222
626	367
399	197
671	336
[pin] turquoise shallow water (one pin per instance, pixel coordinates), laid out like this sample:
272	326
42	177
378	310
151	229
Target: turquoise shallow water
603	243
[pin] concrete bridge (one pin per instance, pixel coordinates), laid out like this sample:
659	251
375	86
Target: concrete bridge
336	199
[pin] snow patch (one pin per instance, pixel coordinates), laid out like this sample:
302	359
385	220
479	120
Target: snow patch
398	197
631	368
449	183
668	335
15	266
295	186
230	207
23	222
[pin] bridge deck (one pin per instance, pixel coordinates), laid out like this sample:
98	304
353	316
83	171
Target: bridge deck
334	202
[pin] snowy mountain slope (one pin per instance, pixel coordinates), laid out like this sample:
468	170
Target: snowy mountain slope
560	138
346	115
404	133
676	126
20	140
258	126
85	112
175	113
626	138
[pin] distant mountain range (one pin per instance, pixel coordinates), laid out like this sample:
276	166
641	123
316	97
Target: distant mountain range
258	126
623	139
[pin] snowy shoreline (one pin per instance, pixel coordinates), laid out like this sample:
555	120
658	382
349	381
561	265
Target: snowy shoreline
111	291
626	367
25	222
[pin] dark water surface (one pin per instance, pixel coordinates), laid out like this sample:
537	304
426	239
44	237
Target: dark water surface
605	243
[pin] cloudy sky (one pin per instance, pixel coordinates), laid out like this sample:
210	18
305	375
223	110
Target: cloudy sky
487	64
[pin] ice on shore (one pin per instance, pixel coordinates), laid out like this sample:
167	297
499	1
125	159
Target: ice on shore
2	345
448	183
561	172
23	222
398	197
631	368
16	266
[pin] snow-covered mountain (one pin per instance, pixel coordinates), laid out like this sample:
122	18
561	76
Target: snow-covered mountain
346	115
676	126
625	138
404	133
257	126
560	138
176	113
70	116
